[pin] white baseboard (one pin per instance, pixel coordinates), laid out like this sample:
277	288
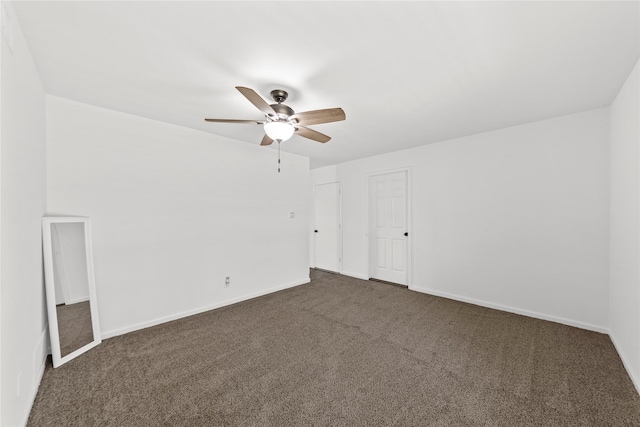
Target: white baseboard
176	316
355	275
509	309
77	300
625	363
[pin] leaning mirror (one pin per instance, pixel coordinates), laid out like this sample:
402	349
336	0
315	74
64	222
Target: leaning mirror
70	287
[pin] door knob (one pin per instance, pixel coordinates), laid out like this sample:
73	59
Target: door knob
406	234
315	231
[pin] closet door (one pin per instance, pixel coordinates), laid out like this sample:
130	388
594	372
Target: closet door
326	203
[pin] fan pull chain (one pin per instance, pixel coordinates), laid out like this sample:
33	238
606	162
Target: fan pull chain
278	156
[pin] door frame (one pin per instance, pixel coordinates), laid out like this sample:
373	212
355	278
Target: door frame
409	258
339	241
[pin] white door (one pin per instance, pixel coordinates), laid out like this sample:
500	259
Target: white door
326	202
388	230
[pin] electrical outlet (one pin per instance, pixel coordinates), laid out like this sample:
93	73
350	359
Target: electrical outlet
292	214
227	281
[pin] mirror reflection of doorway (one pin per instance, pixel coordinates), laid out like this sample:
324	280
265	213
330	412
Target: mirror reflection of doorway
388	227
71	286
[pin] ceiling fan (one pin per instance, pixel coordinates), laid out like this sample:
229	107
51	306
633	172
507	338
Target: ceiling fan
281	122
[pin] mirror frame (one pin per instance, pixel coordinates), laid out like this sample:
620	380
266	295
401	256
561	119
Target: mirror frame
54	336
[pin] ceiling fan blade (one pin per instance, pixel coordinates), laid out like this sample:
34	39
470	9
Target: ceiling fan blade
255	122
312	134
266	140
317	117
257	100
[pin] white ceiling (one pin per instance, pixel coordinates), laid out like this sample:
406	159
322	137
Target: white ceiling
406	73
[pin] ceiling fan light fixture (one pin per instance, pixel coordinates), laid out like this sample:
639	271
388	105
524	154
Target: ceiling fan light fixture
281	122
279	131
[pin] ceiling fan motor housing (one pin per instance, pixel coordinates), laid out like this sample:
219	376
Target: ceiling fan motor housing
282	110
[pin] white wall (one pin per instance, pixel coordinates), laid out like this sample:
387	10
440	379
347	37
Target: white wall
22	176
174	211
625	225
515	219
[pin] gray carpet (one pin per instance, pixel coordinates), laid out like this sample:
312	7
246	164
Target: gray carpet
344	352
74	326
